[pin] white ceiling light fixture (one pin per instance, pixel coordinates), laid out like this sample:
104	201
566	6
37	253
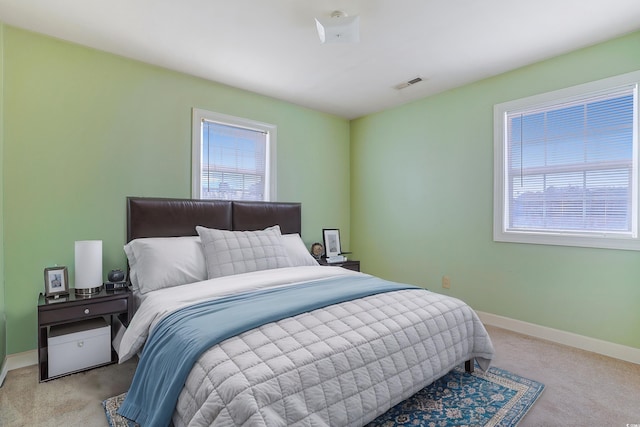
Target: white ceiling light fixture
339	28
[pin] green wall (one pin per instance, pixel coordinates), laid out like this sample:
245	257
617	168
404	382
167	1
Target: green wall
422	207
3	323
83	129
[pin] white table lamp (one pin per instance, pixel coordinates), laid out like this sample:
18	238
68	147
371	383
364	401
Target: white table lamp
88	267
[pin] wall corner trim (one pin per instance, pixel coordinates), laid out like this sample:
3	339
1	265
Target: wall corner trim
605	348
3	372
20	360
17	361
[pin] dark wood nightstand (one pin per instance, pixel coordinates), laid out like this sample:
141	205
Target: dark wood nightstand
114	306
349	264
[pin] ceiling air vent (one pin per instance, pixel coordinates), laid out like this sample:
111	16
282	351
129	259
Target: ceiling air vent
408	83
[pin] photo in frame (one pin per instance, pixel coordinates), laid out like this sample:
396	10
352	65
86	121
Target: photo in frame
331	242
56	281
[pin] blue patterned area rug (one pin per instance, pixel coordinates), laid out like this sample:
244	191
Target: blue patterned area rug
481	399
496	398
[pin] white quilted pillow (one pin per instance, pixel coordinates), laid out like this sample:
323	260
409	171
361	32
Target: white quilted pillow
235	252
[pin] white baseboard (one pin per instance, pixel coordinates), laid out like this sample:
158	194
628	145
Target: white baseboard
20	360
17	361
606	348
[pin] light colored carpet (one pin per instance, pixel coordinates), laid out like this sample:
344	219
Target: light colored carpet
581	388
74	400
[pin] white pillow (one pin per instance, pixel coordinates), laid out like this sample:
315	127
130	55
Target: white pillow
162	262
298	253
234	252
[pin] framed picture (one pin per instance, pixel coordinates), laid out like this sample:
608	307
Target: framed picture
331	241
56	281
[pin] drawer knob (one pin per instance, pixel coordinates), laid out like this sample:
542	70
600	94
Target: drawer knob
80	344
86	311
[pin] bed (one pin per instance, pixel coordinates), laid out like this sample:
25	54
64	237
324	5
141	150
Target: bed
236	324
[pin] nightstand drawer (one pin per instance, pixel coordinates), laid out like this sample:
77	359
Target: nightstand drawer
90	309
348	264
351	265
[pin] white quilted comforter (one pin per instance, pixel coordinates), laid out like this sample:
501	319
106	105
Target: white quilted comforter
342	365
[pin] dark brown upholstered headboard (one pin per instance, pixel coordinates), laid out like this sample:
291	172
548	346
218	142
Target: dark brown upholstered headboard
159	217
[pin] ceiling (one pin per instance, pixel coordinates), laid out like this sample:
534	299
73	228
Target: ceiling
272	47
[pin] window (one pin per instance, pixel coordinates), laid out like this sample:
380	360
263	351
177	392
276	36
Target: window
566	166
233	158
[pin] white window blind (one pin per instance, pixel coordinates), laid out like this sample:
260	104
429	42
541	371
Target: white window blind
570	166
233	157
233	162
569	169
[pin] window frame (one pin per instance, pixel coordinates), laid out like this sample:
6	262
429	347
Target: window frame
199	115
606	240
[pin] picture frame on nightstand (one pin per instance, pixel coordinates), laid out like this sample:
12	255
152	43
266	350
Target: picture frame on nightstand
56	282
331	242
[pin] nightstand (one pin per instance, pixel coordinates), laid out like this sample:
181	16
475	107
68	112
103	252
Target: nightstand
349	264
114	308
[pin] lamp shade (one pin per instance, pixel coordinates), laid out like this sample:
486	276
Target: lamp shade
88	267
339	28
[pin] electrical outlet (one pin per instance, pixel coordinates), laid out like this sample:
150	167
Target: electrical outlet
446	282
